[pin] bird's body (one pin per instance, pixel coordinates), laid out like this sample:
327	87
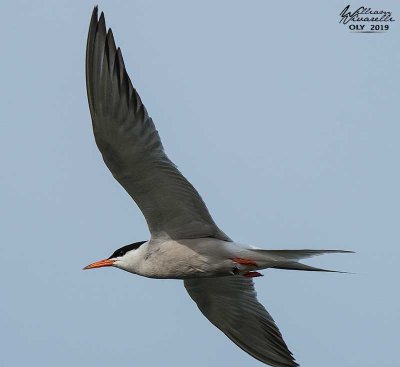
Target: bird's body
185	242
182	259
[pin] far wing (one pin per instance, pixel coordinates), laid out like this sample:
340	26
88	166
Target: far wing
231	304
132	149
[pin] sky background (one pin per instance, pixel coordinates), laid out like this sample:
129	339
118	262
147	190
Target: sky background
286	123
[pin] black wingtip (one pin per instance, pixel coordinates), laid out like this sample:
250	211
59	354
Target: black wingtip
110	39
93	19
102	20
95	13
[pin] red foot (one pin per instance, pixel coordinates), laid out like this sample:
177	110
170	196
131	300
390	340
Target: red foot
244	261
252	274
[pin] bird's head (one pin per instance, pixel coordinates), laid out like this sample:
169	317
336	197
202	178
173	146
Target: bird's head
123	258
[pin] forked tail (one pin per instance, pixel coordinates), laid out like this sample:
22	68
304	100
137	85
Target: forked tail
288	259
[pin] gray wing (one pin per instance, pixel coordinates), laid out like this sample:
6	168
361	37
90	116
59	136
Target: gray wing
132	149
231	304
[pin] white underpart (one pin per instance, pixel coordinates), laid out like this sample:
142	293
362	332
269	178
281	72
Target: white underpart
203	257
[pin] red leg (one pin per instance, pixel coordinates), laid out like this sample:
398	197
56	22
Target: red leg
244	261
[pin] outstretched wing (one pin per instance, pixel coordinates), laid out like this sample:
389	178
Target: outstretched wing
132	149
231	304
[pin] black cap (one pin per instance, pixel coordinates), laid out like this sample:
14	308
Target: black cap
123	250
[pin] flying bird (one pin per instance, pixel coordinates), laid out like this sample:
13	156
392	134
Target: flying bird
185	242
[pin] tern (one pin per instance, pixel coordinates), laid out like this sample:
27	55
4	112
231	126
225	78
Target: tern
185	242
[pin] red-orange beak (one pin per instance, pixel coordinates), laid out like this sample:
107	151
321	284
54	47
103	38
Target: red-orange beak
100	264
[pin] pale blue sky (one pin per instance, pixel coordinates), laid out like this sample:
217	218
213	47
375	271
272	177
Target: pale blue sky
287	125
